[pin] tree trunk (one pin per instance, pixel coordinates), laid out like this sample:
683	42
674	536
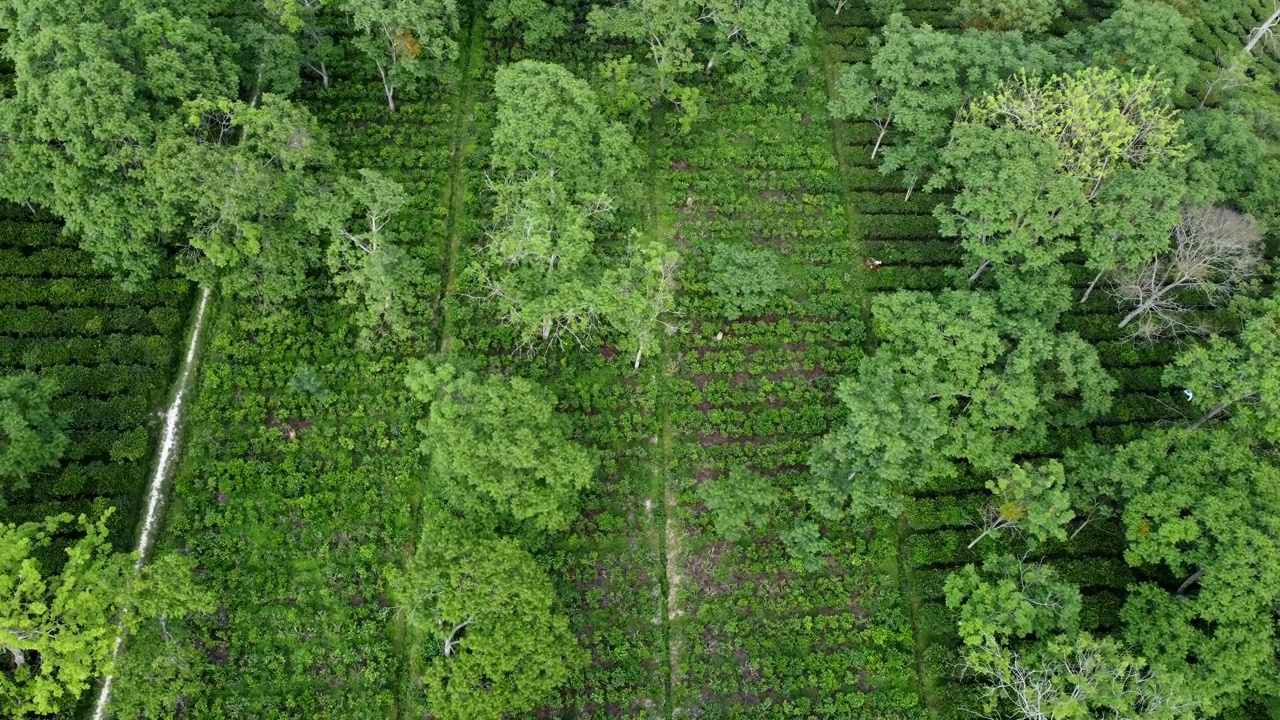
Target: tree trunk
1146	304
1262	31
839	7
1092	285
1190	581
978	273
637	363
884	128
985	533
388	88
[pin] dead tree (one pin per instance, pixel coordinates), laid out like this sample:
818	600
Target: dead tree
1230	75
1214	251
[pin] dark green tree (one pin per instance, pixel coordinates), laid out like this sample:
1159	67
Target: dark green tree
31	437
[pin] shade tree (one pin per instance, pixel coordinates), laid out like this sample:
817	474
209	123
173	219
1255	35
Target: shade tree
31	432
1145	36
249	183
375	274
761	43
1214	251
1235	377
1012	599
1029	500
739	502
93	88
487	638
1200	509
407	40
537	23
666	29
955	378
1029	16
500	454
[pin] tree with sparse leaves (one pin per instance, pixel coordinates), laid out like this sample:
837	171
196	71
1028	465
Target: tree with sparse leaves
378	277
1214	251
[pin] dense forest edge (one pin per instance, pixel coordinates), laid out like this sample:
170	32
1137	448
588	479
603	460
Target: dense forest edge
658	358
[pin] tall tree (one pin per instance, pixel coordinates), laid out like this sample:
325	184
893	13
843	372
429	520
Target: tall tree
58	630
763	43
640	298
954	378
1142	36
1215	250
666	28
500	454
1014	207
1236	377
247	181
375	274
93	88
1201	505
1029	500
407	40
31	437
1101	120
489	642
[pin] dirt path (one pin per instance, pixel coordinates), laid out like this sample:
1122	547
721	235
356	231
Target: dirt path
166	463
455	197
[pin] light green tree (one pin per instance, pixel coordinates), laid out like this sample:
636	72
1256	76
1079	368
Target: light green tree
1011	599
500	454
1031	500
638	298
666	29
1101	120
488	640
31	436
161	663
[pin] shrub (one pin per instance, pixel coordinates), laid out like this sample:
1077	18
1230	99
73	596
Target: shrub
744	279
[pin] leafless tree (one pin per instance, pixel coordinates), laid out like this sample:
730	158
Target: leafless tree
1214	251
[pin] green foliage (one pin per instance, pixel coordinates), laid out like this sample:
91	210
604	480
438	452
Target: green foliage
549	123
375	274
764	43
745	279
953	378
1200	504
667	30
31	436
639	296
806	546
58	630
1142	36
1101	120
1236	376
487	640
247	180
93	92
1075	677
500	455
161	668
538	23
1014	207
1011	600
740	502
1032	499
407	40
1029	16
